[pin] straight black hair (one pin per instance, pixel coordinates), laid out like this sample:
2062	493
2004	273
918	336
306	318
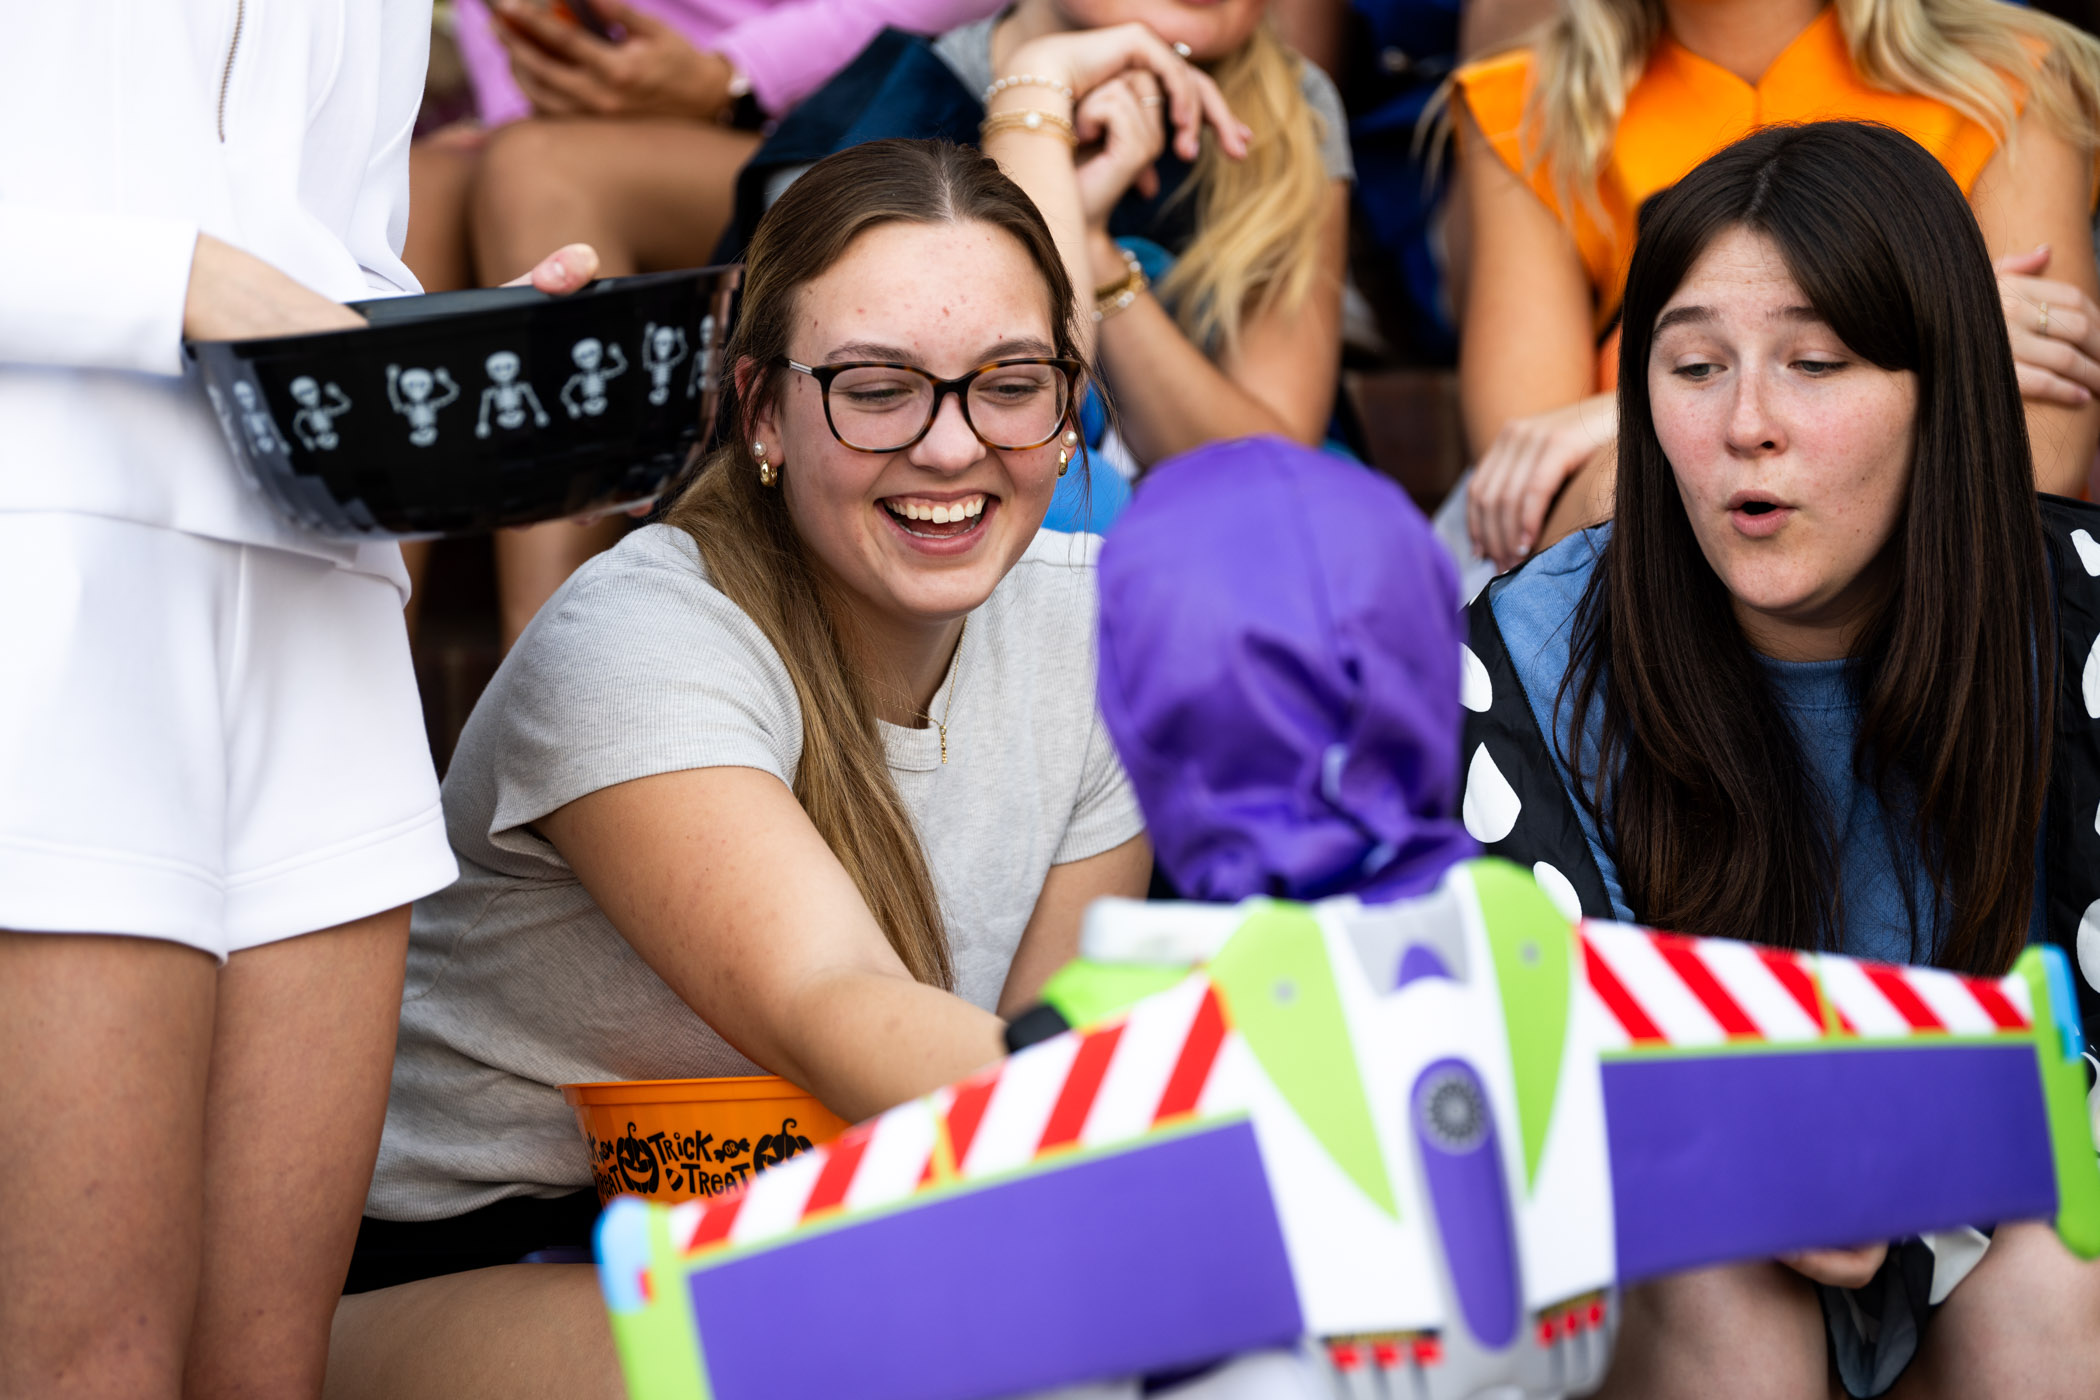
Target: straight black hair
1698	781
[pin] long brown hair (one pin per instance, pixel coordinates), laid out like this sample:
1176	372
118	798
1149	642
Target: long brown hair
750	546
1697	781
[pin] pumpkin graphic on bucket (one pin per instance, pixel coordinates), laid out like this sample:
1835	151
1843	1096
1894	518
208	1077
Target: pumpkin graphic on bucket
678	1139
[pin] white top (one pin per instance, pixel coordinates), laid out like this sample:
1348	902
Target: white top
131	128
517	981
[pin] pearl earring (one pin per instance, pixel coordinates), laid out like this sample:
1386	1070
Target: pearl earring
1064	451
767	472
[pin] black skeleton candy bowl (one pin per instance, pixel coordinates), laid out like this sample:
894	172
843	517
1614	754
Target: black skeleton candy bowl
464	411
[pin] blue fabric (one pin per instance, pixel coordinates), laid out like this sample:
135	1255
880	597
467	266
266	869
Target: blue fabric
1091	496
1411	48
1536	612
897	86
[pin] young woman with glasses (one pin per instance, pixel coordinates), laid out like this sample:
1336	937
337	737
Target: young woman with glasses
806	779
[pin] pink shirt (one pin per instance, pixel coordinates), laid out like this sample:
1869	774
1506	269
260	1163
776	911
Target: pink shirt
787	48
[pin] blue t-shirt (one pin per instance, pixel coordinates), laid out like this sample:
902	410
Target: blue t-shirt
1536	613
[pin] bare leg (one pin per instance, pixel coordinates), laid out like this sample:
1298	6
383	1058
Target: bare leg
649	195
300	1064
104	1043
522	1331
1748	1332
441	171
2025	1323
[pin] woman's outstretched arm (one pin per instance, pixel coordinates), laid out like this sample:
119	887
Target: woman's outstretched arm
718	880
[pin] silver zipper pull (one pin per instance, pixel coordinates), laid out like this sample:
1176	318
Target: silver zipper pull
240	16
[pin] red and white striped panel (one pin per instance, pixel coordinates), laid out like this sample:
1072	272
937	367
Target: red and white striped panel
1652	989
1095	1088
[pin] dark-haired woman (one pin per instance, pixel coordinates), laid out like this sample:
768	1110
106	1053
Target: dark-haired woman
1804	691
1614	100
807	779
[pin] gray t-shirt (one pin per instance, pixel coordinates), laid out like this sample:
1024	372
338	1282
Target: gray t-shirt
517	981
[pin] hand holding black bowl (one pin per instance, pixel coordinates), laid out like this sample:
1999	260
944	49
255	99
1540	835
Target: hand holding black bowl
465	411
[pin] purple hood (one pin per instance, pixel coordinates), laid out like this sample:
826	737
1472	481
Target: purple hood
1280	639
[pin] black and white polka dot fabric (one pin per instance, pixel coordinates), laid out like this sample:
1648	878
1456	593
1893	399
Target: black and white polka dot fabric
2071	827
1515	804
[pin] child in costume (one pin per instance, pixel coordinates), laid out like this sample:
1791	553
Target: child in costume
1280	643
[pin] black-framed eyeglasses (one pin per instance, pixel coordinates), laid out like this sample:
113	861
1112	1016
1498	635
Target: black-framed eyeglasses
876	406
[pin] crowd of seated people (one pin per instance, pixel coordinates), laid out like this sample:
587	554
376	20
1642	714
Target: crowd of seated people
1773	319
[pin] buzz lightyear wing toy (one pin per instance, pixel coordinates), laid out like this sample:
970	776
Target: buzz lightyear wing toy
1424	1140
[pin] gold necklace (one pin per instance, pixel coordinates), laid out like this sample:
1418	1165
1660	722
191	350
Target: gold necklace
954	670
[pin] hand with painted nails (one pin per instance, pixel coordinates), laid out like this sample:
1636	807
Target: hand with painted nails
2055	331
1085	59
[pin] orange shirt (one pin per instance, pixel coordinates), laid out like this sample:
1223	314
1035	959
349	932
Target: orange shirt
1685	108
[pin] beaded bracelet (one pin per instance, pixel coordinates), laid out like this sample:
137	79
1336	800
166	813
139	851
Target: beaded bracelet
1030	80
1042	123
1117	296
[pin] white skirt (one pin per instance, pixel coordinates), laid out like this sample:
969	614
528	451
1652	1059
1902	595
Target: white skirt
212	743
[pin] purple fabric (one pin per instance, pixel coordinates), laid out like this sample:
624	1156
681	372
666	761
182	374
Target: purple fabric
1727	1157
787	48
1165	1256
1279	670
1462	1169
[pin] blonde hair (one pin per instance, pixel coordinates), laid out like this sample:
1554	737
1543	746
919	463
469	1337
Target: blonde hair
749	543
1258	220
1973	55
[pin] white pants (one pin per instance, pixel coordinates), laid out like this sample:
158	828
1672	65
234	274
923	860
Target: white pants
212	743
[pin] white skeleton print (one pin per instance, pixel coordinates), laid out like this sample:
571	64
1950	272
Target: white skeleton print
704	362
263	438
662	348
314	423
409	390
596	363
508	396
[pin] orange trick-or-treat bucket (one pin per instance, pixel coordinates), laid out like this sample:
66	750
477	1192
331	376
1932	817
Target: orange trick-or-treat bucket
675	1139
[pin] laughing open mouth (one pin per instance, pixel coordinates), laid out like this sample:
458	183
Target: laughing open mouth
936	520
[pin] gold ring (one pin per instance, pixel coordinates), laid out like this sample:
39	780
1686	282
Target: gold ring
2043	328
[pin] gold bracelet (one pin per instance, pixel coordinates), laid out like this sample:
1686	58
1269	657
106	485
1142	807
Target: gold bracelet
1117	296
1030	80
1043	123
